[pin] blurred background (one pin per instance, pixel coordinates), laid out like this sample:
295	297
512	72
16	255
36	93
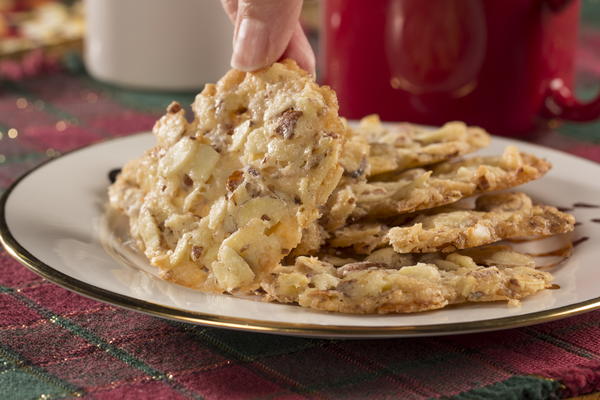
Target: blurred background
38	35
57	28
42	43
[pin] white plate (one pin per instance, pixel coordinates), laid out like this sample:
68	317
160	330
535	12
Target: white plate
51	221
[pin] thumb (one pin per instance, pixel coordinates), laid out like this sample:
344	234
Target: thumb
263	29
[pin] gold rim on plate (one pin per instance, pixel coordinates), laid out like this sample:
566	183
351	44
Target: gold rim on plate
22	255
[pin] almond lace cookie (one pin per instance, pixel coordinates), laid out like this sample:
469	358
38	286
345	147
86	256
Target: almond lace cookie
404	146
221	200
495	217
419	189
387	282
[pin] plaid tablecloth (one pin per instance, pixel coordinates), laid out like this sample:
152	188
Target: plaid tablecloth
57	344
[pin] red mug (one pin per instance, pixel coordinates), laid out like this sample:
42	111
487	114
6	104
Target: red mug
504	65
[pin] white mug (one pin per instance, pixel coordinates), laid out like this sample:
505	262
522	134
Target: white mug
157	44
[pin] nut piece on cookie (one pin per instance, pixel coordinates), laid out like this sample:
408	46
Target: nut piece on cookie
220	201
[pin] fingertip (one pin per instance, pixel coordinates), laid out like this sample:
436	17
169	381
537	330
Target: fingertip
299	49
311	63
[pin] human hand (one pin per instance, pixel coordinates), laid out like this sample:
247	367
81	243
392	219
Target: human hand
266	31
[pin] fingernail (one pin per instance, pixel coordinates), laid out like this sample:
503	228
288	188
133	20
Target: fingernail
250	50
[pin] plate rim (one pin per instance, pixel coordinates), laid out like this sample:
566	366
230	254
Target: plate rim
24	257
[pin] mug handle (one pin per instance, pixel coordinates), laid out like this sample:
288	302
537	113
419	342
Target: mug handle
557	5
561	103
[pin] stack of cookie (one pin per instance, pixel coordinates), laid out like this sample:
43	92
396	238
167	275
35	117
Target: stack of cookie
403	207
269	192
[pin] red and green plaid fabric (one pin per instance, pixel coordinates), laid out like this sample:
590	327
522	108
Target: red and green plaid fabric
57	344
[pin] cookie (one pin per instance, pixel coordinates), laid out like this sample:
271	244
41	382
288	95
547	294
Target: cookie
419	189
405	285
403	146
220	201
495	217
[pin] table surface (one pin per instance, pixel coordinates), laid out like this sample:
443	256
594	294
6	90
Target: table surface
57	344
